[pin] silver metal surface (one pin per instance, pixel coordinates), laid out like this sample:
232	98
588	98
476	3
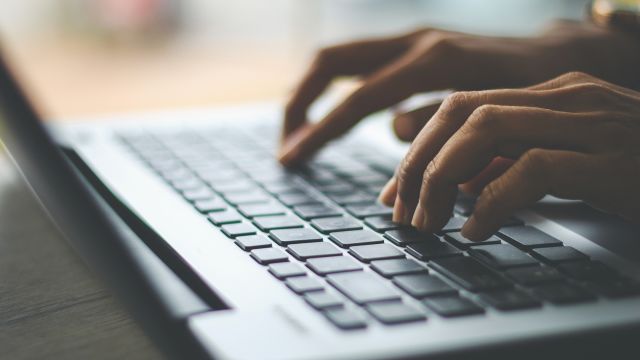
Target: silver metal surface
266	320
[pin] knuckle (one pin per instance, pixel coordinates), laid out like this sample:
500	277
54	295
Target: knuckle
324	57
575	76
457	101
593	92
483	117
535	163
443	44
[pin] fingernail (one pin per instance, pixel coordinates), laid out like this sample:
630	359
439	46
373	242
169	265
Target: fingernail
386	196
418	220
470	229
399	211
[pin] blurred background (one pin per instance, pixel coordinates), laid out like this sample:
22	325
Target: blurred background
86	57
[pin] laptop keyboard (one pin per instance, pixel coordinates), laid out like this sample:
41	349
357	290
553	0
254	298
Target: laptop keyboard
320	231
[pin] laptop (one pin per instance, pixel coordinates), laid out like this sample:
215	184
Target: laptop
218	252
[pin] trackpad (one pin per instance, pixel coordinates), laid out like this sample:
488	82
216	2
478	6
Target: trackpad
609	231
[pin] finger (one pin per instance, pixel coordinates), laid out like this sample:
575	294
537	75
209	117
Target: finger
493	131
388	194
357	58
537	173
407	125
580	79
427	67
387	87
455	111
496	168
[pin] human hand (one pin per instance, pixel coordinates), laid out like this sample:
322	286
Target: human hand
574	137
393	69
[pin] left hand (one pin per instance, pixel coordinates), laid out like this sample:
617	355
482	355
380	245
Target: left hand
574	137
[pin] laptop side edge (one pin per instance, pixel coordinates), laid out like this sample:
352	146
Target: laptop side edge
124	265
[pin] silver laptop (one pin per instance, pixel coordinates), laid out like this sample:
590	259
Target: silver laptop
221	253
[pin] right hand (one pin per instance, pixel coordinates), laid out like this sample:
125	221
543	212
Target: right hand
395	68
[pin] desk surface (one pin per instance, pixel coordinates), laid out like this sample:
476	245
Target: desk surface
51	306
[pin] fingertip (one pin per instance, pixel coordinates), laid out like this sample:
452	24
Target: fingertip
419	218
475	231
403	127
469	229
388	193
400	212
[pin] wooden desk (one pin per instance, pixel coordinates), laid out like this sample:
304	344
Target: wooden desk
51	306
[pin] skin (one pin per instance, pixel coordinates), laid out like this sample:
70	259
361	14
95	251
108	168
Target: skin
511	145
574	137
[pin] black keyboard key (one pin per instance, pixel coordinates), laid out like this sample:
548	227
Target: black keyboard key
269	255
366	210
251	197
528	237
502	256
464	207
285	270
313	250
455	223
558	254
363	287
268	223
265	209
462	242
346	319
451	306
229	216
562	293
355	237
381	223
513	221
469	273
423	285
239	229
432	249
251	242
294	236
298	198
509	300
323	300
592	271
372	252
393	267
408	235
304	284
334	264
309	212
331	224
395	313
533	275
210	205
616	288
353	198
